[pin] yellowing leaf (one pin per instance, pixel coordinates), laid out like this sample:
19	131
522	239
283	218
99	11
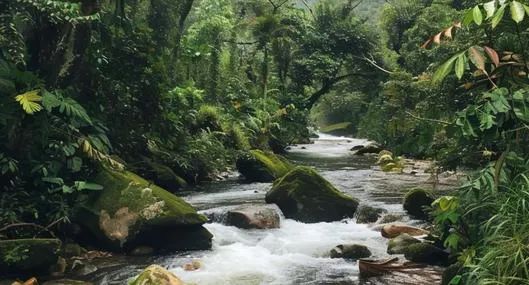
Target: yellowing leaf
477	16
517	11
29	100
476	56
498	17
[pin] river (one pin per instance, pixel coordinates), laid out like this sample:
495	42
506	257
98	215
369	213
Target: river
296	253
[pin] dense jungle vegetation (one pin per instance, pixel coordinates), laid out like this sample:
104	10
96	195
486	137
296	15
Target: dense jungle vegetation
177	90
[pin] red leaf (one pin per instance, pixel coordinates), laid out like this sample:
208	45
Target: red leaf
476	56
493	55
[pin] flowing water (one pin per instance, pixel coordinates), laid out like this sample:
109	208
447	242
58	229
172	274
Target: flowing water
296	253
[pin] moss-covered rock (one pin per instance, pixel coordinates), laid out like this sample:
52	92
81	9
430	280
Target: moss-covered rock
164	176
28	255
416	201
304	195
370	148
425	253
130	211
450	272
262	166
367	214
156	275
350	251
399	244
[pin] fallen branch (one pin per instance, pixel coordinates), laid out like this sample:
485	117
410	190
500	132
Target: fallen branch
428	119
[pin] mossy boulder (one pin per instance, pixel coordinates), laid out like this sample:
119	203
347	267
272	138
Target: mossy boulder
369	149
425	253
28	255
156	275
350	251
416	202
164	176
263	166
130	212
367	214
399	244
305	195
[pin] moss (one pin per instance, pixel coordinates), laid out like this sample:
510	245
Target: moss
33	255
156	275
164	175
236	138
416	200
304	195
263	166
130	207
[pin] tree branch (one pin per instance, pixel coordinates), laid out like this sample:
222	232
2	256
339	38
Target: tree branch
328	84
427	119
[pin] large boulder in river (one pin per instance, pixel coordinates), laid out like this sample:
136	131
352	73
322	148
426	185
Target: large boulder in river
367	214
350	251
263	166
393	231
425	253
399	244
416	202
304	195
131	212
369	149
156	275
254	217
28	255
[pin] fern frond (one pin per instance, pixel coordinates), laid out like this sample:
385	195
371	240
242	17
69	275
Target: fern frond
29	100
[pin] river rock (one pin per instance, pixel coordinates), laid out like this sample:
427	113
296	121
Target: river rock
367	214
66	282
393	231
357	147
71	249
130	212
425	253
370	148
416	201
390	218
450	272
350	251
28	255
262	166
306	196
156	275
253	217
399	244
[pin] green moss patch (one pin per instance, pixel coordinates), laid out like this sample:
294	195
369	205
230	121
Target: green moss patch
304	195
28	255
263	166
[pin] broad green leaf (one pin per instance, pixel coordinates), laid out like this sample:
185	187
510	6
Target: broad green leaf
477	16
468	18
490	8
82	185
476	57
53	180
456	280
460	65
498	17
444	69
520	105
29	100
67	189
452	240
517	11
50	101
